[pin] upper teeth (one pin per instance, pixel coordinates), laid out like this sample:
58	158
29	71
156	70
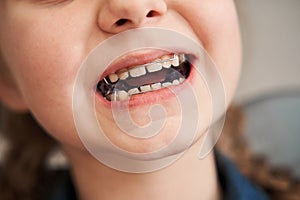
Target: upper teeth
123	74
154	67
175	61
113	78
165	61
137	71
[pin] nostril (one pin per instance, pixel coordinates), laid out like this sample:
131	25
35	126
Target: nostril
121	22
152	13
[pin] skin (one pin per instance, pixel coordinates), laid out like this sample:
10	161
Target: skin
42	45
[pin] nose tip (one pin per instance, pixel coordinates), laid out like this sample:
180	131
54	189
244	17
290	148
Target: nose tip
119	15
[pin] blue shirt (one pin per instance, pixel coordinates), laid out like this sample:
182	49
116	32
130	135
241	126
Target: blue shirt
234	185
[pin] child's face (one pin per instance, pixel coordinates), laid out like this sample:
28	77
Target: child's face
44	42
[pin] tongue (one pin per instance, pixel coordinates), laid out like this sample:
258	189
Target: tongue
147	79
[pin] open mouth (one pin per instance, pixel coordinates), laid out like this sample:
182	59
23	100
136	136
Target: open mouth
168	70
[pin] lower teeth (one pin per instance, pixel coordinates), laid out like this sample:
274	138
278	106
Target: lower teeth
122	90
120	95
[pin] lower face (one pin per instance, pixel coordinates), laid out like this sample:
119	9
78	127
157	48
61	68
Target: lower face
45	45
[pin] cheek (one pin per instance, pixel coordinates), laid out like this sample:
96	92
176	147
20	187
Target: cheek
216	24
46	80
44	64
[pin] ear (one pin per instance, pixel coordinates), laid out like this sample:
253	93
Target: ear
10	96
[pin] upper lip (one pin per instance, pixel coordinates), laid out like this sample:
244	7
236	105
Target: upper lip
134	59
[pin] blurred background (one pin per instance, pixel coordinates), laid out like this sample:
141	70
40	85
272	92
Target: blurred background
271	39
269	89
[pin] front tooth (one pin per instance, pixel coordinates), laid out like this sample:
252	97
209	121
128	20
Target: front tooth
176	82
122	95
145	88
113	78
156	86
166	84
175	61
133	91
154	67
123	74
137	71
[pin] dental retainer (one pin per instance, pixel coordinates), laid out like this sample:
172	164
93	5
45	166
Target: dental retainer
160	73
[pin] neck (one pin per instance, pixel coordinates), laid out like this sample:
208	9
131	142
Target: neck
188	178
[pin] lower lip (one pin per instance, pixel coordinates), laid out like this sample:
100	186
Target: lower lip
152	97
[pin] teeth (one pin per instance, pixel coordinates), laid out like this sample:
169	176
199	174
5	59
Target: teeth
182	58
133	91
166	64
123	74
166	84
154	67
176	82
137	71
156	86
145	88
113	78
122	95
158	64
175	61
